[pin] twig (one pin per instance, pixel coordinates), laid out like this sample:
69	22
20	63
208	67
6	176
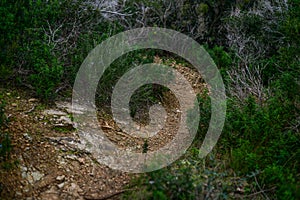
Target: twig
259	192
115	13
109	195
30	110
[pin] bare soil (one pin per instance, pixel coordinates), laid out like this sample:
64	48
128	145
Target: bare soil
46	162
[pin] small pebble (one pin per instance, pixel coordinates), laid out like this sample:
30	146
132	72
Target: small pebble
32	100
60	178
81	160
61	185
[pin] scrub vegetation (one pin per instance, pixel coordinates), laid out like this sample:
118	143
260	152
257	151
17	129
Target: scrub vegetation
255	45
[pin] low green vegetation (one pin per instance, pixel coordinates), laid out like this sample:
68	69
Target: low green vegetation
255	45
5	141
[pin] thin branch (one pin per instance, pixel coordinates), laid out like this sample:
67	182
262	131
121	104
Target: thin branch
261	191
30	110
116	13
108	196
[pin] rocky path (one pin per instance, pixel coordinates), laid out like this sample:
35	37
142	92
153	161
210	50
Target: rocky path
48	161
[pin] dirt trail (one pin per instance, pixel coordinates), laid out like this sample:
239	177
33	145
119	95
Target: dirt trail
49	163
50	166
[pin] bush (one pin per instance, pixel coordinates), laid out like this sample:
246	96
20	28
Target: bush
142	98
200	19
41	39
173	182
47	72
5	143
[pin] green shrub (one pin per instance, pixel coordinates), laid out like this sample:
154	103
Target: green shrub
3	119
5	147
142	98
44	42
204	104
47	72
176	182
260	139
5	143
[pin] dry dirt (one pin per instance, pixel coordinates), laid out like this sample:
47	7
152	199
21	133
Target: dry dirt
46	162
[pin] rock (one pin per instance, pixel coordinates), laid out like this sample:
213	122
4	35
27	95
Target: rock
36	175
74	189
24	175
55	112
26	189
60	178
32	100
29	178
61	161
71	157
45	181
27	136
19	194
81	160
240	190
24	169
14	105
61	185
51	194
75	108
66	120
59	125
